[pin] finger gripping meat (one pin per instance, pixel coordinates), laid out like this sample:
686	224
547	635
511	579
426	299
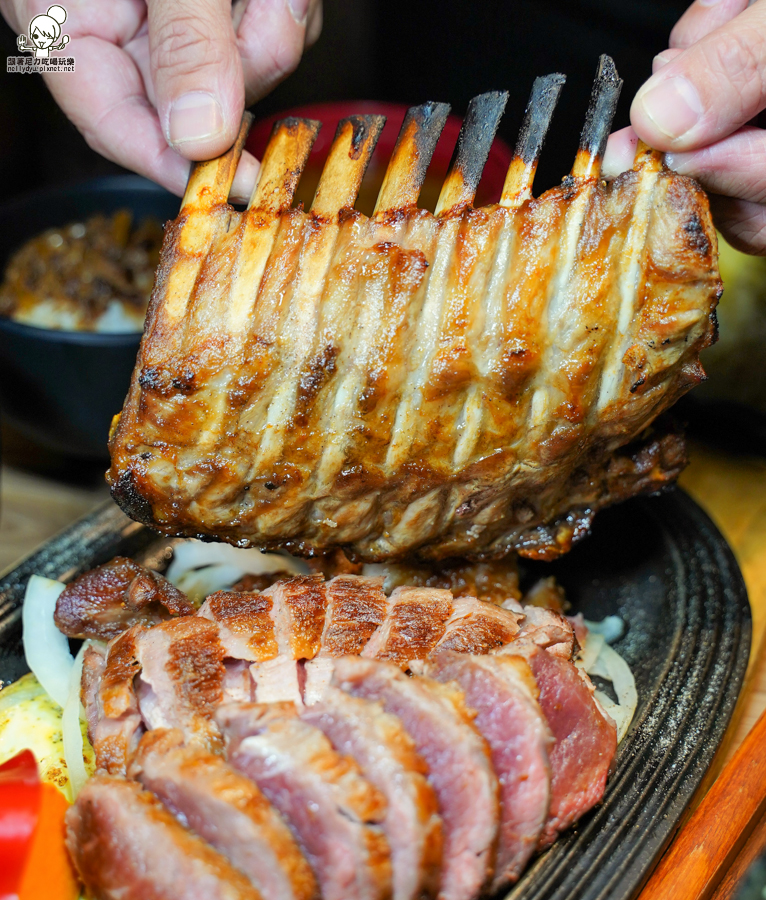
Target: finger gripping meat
448	384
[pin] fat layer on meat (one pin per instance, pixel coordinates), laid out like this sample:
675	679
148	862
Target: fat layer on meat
458	760
334	813
228	811
386	755
126	846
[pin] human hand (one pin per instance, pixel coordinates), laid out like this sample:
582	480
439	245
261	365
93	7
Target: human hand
162	82
700	106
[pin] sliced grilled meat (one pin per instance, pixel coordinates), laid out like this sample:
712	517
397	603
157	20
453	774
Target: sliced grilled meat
334	813
503	694
415	622
245	623
386	755
585	738
105	601
182	678
109	697
228	811
356	607
126	846
458	760
475	626
298	611
550	630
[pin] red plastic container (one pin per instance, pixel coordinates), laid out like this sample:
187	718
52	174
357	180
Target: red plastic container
329	114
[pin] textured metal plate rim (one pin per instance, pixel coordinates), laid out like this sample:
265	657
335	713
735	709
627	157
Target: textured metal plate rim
659	562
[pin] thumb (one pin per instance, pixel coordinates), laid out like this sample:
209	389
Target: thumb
197	75
709	90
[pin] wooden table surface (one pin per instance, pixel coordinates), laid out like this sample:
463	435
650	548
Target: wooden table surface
36	505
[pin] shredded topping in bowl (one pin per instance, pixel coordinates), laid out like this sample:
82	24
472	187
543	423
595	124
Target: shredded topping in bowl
95	275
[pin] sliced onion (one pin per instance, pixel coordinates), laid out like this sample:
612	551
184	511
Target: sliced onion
45	647
603	661
611	627
193	554
621	677
621	715
71	730
593	645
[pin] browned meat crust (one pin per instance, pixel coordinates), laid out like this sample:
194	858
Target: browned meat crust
455	385
105	601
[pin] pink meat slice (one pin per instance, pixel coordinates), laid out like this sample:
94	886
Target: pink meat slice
334	813
458	759
585	738
386	755
503	694
126	846
228	811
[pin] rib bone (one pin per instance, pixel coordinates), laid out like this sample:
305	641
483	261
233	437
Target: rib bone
413	151
473	145
537	119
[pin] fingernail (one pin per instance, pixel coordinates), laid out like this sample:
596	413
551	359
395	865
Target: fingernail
299	10
708	2
673	105
679	162
659	61
193	117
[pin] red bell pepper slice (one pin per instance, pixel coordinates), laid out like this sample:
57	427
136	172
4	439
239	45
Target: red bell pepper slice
20	800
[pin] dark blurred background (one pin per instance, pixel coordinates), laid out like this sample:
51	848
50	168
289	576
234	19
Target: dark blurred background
400	50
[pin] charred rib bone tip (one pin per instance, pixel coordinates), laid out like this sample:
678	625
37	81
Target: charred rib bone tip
364	128
473	145
537	118
412	154
598	120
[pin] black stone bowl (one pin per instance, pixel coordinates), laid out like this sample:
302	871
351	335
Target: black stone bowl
61	388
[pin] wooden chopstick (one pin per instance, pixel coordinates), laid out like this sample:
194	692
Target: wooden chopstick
707	845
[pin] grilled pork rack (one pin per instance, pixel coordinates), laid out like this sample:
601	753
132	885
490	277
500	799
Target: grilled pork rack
467	382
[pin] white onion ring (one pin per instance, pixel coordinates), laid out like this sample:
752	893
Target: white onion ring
45	647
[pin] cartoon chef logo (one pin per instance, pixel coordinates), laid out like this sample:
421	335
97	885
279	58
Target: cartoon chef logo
45	34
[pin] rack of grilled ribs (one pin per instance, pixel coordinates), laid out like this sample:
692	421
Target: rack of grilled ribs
412	746
467	382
